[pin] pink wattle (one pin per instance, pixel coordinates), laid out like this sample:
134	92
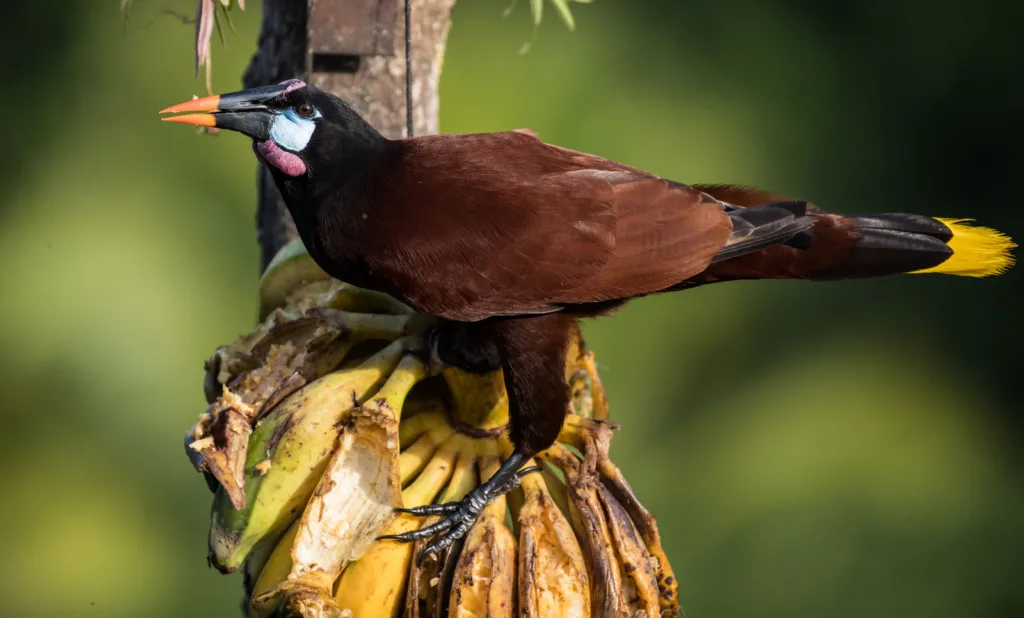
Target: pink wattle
270	153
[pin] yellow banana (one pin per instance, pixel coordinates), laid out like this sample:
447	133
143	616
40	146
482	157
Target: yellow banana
297	439
373	586
556	487
587	394
357	495
426	402
353	502
426	592
413	459
274	571
621	569
270	573
483	585
416	425
590	524
634	561
593	437
553	577
479	401
274	595
668	587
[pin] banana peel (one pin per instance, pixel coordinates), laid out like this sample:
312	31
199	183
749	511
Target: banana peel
288	454
553	578
294	353
357	495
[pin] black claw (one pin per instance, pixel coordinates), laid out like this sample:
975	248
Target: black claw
426	553
519	475
405	537
422	533
516	480
434	549
431	509
444	541
460	516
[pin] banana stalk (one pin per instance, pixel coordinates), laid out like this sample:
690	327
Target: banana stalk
326	416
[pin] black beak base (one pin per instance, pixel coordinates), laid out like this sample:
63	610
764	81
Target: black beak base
254	123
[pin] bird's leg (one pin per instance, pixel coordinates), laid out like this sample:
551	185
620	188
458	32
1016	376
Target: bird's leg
532	352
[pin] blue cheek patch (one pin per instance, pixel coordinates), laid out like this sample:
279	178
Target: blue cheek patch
291	131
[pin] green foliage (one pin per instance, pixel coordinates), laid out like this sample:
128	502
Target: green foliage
537	15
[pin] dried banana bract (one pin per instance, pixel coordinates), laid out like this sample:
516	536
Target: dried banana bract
329	415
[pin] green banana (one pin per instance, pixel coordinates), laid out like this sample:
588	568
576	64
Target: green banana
288	452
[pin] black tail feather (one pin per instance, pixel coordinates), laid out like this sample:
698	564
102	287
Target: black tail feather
760	227
882	251
903	222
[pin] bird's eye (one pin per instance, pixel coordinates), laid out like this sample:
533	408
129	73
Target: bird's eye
306	110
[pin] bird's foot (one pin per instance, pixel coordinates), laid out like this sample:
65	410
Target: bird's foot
460	515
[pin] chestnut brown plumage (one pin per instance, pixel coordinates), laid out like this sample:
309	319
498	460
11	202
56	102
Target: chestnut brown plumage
510	240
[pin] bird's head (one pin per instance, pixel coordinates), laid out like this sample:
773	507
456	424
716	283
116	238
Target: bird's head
295	127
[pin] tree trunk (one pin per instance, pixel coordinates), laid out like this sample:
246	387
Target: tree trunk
376	89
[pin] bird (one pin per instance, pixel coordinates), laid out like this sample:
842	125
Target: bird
509	241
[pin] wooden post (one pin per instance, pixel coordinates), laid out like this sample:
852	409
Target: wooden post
355	49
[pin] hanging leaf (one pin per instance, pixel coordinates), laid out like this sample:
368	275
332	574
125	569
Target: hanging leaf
537	13
537	8
562	6
220	33
211	15
205	20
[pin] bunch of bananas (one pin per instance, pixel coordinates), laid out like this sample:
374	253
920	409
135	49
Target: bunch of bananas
328	415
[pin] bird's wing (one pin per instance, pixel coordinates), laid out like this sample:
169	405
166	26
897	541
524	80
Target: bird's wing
508	225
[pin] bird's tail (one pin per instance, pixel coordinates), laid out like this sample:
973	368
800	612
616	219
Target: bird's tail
977	251
844	247
893	243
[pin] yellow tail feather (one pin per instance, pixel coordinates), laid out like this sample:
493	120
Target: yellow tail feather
977	251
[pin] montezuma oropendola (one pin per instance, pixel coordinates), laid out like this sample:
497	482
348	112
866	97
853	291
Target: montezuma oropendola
510	240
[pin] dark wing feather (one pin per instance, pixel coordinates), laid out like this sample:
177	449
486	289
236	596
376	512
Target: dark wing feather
764	226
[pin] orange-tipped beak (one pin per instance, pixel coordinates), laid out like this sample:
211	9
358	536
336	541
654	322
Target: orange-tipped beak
202	120
205	104
248	112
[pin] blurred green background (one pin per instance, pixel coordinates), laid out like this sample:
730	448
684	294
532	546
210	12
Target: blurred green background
840	449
